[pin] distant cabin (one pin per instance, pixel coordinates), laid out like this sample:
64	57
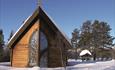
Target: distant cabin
39	42
85	55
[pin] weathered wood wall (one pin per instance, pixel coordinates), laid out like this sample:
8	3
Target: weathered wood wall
21	50
57	52
57	46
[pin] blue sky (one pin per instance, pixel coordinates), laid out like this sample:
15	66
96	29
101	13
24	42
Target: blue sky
68	14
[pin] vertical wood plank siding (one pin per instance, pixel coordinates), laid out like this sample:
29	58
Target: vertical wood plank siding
21	50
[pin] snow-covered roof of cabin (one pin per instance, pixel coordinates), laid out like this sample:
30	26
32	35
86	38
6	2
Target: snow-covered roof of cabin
84	52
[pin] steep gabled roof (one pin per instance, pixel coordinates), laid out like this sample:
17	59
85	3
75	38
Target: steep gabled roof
38	13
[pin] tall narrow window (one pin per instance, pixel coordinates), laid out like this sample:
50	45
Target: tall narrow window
33	52
43	50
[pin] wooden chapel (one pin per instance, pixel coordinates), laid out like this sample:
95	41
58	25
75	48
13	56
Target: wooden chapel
39	42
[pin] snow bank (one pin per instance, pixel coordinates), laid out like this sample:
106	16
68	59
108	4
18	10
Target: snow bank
91	65
33	68
101	65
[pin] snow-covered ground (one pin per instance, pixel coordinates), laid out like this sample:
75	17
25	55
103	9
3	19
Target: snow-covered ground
99	65
74	65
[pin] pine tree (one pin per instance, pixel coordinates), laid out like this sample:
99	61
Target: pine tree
1	44
75	38
100	36
86	35
7	50
93	36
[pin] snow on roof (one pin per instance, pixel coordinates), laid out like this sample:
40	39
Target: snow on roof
18	29
83	52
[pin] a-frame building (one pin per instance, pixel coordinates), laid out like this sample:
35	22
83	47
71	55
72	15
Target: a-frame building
39	42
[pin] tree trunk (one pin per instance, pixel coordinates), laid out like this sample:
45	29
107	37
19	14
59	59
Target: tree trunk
94	55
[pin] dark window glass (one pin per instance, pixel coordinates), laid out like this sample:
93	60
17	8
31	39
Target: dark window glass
43	50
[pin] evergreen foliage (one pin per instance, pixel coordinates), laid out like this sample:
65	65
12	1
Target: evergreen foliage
93	36
1	44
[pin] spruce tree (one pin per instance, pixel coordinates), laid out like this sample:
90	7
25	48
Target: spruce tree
1	44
